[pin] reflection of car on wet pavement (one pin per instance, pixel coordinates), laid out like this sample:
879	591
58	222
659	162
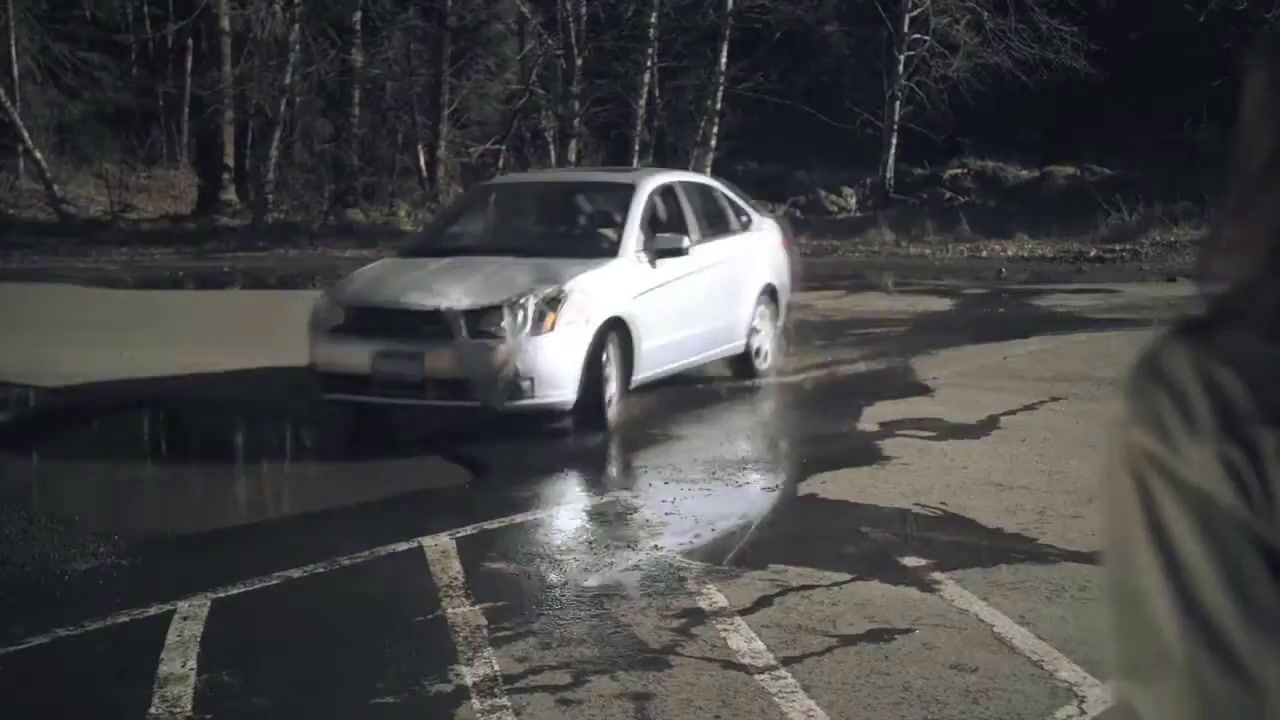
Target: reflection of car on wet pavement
560	290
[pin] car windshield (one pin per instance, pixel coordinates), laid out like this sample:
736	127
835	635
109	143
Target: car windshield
578	219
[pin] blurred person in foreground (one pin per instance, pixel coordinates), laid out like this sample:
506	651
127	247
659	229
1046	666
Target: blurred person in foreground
1193	487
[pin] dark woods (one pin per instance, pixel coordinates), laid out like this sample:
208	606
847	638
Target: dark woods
311	109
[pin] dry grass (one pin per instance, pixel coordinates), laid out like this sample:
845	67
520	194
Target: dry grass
989	209
111	191
139	193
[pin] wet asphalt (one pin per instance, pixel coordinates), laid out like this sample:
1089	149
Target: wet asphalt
138	494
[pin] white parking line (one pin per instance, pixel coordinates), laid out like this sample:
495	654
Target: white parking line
1092	693
470	632
173	694
292	574
752	652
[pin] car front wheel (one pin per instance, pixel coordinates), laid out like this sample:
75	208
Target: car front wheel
761	356
604	385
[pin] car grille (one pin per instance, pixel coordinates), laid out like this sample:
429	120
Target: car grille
395	324
443	390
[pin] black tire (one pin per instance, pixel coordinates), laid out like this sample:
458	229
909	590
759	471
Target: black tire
760	358
603	391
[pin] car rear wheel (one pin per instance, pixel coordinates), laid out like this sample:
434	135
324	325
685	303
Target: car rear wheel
761	356
604	385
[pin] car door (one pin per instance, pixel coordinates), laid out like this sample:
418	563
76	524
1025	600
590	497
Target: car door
723	252
673	328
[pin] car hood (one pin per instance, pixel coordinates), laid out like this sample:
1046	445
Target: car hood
456	282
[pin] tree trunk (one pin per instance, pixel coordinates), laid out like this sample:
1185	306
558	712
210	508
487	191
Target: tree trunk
133	41
574	18
227	199
550	131
891	122
646	79
166	89
438	155
704	152
15	79
184	115
217	192
161	113
655	117
348	195
270	172
57	198
415	117
146	28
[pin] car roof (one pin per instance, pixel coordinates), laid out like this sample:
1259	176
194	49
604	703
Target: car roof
599	174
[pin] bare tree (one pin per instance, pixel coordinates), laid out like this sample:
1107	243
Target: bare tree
227	199
57	198
644	86
348	195
530	53
704	150
904	46
573	21
938	47
14	76
438	155
293	12
184	113
217	192
415	116
543	83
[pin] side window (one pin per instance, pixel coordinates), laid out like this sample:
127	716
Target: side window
735	195
709	210
663	213
741	218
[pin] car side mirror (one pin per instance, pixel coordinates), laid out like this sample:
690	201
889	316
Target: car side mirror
670	245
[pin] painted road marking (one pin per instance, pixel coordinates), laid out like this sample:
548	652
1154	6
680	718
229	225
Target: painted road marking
295	573
470	632
752	652
1093	695
174	691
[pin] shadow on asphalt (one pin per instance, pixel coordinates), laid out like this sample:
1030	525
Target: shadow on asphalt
995	314
240	430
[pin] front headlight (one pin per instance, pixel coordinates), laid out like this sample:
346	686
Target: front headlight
326	314
545	311
536	313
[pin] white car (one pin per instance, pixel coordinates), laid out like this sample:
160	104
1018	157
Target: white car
560	290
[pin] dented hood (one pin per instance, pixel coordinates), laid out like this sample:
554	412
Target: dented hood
455	282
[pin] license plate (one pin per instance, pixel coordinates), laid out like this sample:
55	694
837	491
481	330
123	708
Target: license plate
399	366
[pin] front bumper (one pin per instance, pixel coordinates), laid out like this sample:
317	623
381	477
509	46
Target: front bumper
531	373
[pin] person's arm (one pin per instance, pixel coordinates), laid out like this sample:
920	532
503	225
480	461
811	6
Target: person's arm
1192	563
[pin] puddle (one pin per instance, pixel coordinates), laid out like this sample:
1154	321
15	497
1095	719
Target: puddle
180	468
713	469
